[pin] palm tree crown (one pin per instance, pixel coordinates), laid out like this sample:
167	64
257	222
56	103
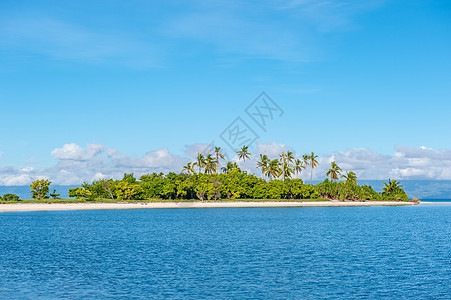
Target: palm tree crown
188	168
263	163
350	177
200	163
273	169
243	154
391	186
230	167
286	159
210	164
298	166
334	171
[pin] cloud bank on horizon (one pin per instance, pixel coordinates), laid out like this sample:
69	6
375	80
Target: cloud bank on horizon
76	164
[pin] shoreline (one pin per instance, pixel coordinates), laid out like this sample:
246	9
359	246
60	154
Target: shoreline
16	207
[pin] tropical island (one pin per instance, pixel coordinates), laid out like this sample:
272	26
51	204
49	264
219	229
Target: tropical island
205	180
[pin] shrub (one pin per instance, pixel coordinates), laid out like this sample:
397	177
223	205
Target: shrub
274	189
10	197
40	189
80	193
349	190
233	185
309	192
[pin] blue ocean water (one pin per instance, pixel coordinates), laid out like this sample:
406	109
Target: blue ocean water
302	253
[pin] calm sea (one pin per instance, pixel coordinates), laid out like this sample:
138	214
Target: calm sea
359	252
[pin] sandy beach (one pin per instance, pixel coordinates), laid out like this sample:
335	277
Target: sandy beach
155	205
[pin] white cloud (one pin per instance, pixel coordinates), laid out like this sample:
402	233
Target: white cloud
75	152
15	179
161	159
271	149
26	169
77	164
193	150
31	161
424	152
405	163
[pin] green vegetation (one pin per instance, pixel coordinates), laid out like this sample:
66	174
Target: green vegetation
230	186
243	154
9	198
233	183
313	164
350	190
334	171
49	200
54	195
40	189
207	184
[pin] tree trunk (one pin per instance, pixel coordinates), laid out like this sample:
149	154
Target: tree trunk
283	171
311	176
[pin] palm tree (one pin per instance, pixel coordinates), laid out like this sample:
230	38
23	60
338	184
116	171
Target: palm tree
188	168
263	163
298	166
305	159
218	154
273	169
243	154
282	159
287	171
313	163
334	171
290	157
200	163
350	177
392	186
230	167
210	164
286	159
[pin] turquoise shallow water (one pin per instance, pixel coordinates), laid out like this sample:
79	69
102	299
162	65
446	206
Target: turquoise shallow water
360	252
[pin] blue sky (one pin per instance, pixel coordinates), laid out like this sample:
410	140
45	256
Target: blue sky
139	76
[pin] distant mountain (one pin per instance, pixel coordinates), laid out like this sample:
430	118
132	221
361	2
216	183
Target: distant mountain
421	189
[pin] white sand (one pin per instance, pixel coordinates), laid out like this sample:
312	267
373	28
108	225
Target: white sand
206	204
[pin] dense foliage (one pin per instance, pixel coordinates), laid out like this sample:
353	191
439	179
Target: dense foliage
350	190
9	197
232	185
201	180
40	189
